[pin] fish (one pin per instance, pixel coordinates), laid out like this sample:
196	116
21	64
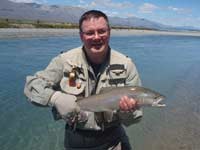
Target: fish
109	99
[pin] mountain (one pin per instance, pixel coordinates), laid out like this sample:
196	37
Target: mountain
34	11
56	13
137	22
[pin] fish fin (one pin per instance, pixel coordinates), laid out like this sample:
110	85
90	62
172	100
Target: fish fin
106	89
102	110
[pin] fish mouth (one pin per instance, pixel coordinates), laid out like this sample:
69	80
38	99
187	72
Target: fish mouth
159	102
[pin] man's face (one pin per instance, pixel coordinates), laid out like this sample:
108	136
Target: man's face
95	36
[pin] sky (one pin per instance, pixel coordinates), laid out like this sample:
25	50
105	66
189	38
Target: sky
168	12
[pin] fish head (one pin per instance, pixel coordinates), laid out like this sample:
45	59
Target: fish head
158	101
148	97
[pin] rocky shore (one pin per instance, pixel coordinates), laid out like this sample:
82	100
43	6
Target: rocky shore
26	33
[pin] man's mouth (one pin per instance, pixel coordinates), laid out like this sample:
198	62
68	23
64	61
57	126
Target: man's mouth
97	45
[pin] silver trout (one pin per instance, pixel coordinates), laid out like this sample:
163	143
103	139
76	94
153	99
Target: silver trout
109	100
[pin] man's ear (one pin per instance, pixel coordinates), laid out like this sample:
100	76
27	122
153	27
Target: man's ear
81	35
109	30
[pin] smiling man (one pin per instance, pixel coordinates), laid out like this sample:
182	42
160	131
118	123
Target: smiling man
82	72
95	34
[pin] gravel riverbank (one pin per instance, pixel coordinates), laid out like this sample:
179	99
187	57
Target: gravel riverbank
26	33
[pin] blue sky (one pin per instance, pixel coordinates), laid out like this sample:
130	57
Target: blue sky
168	12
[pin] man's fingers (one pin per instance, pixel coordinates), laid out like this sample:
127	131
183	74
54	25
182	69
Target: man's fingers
127	104
123	105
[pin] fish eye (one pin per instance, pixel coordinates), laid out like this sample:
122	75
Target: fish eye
157	97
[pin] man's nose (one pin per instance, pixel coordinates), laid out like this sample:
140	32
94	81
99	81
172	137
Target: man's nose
96	35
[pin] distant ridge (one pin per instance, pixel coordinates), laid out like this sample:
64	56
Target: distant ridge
70	14
34	11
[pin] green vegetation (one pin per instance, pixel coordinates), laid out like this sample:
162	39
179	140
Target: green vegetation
14	23
4	23
42	24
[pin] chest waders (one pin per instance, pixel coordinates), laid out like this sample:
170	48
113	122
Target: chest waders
95	140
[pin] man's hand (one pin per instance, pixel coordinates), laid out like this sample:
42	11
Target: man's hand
67	107
127	104
76	117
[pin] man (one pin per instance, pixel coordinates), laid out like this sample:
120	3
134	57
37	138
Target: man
82	72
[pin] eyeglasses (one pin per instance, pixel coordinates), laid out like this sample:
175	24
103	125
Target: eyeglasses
92	33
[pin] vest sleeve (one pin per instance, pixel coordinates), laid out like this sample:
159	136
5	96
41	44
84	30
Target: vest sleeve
40	87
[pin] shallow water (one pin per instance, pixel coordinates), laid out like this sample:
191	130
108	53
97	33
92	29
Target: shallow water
168	64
